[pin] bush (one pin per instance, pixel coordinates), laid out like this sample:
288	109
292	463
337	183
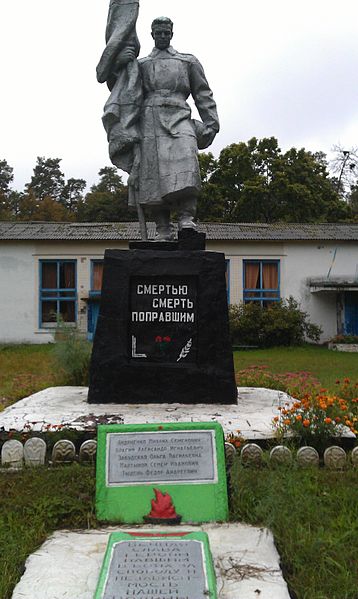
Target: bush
280	323
73	353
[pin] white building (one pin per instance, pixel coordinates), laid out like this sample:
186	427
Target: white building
50	269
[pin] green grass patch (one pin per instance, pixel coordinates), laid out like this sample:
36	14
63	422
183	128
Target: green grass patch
25	369
34	503
313	515
326	365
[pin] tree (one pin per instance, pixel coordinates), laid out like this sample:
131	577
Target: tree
344	167
256	182
107	201
211	204
47	209
72	194
353	200
109	181
6	177
47	180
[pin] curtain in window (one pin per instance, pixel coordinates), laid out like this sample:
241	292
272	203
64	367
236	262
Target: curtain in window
97	276
252	273
49	275
270	278
67	275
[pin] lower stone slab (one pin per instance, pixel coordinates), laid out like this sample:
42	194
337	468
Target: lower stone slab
165	565
68	564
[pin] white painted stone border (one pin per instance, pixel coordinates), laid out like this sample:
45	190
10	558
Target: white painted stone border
345	347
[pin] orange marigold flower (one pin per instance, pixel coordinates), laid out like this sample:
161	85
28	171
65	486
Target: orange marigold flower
306	422
337	419
299	417
287	421
348	423
276	419
328	420
346	380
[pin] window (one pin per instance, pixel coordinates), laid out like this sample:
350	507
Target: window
261	281
57	291
94	297
96	277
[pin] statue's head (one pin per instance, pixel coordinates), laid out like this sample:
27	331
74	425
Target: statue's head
162	32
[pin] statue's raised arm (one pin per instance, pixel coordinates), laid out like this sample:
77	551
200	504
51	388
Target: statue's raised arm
118	67
120	34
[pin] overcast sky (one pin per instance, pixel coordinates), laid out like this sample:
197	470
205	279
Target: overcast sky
283	68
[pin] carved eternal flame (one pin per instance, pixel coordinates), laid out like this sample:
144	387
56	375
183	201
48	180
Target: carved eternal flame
150	131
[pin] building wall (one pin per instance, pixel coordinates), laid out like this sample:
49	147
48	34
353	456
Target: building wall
19	276
17	297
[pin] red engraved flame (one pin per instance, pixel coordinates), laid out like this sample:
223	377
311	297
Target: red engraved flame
162	506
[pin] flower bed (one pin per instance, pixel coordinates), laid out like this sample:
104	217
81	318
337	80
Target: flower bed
316	415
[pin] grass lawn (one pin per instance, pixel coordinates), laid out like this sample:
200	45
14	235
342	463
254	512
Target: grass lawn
312	513
25	369
327	366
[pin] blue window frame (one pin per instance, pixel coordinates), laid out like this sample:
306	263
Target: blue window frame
58	292
96	277
261	281
94	297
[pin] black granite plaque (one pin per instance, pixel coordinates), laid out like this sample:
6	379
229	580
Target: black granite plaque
165	569
162	333
166	457
163	318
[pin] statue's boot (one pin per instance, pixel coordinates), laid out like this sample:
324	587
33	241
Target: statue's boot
186	213
164	228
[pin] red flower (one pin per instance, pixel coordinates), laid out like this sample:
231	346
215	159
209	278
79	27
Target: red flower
167	339
158	339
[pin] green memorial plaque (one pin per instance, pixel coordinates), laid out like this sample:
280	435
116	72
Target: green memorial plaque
166	565
161	473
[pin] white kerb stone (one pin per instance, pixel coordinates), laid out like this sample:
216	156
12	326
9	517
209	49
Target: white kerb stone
12	454
63	451
35	452
230	454
251	454
308	456
280	455
335	458
354	456
88	451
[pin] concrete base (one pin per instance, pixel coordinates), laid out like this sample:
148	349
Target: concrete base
68	564
67	407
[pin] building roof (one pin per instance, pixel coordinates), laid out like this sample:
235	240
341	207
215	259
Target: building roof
38	231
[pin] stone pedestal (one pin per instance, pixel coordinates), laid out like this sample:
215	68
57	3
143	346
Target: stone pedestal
162	332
